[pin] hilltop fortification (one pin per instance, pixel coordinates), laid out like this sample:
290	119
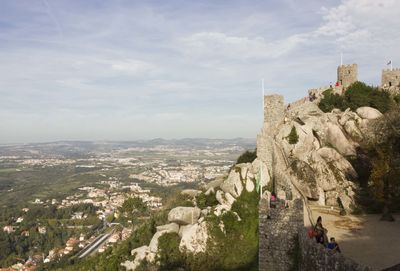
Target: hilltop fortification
347	75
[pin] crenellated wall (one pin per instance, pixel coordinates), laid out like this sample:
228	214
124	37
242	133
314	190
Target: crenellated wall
390	78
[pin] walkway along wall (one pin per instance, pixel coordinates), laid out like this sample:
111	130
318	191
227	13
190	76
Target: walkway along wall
284	243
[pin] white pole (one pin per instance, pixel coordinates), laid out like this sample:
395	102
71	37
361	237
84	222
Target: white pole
341	59
263	93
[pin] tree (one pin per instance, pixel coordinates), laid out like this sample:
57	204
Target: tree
384	180
293	137
247	157
134	204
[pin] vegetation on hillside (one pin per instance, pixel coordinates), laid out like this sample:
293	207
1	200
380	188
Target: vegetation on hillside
356	95
247	157
378	166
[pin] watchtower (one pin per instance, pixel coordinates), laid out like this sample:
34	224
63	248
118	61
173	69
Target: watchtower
347	75
390	78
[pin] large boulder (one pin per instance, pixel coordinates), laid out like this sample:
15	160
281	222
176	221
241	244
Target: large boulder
184	215
233	184
171	227
338	140
153	246
370	113
194	238
306	178
249	185
224	198
351	128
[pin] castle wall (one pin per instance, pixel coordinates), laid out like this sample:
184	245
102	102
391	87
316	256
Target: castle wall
390	78
284	244
274	110
347	74
277	237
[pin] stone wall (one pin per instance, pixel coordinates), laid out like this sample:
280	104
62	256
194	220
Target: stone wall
314	256
390	78
277	237
274	111
284	243
347	74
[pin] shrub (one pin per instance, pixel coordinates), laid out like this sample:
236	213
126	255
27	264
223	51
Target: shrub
293	137
247	157
169	256
356	95
204	200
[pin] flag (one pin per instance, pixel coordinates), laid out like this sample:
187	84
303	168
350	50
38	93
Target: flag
390	62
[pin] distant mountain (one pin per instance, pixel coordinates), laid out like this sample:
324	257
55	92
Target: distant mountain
81	149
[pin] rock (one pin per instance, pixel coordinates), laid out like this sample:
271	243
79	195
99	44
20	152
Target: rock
338	140
244	169
229	198
184	215
346	202
249	185
331	198
306	177
351	128
222	198
221	209
153	246
191	192
140	254
329	154
171	227
215	183
194	238
321	199
210	191
233	185
370	113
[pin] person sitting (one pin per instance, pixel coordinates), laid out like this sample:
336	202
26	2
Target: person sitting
333	245
320	231
273	200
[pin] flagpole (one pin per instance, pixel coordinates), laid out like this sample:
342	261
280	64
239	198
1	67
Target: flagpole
263	93
341	59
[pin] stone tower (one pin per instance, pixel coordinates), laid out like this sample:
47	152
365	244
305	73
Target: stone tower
274	111
390	78
347	75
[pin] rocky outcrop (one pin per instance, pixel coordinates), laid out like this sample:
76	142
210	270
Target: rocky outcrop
370	113
317	163
194	238
190	222
184	215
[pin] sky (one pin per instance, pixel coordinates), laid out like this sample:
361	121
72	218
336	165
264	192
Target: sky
127	70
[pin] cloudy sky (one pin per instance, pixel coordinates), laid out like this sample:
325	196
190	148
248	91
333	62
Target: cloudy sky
124	70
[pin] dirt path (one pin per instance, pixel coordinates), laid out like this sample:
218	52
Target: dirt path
365	238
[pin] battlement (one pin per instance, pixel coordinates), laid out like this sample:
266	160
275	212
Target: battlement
390	78
347	66
391	70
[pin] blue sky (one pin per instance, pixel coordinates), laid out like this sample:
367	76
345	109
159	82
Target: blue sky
125	70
